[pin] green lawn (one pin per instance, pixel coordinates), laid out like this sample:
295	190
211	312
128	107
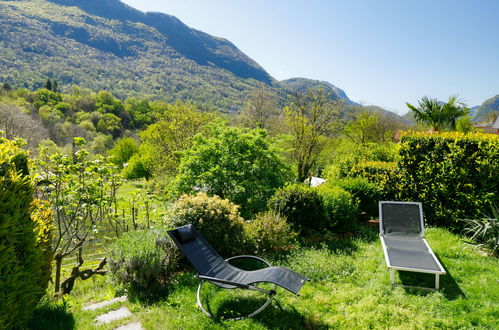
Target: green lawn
350	288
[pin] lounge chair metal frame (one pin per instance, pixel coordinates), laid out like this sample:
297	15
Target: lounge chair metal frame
270	293
201	248
429	251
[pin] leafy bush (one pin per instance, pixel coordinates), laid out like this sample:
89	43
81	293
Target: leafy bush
238	164
22	268
383	174
339	207
485	231
454	175
42	216
301	205
216	218
143	262
269	232
123	150
135	169
367	195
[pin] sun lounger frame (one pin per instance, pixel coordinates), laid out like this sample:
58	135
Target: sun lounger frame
392	268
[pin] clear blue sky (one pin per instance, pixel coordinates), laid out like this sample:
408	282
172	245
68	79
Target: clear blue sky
382	52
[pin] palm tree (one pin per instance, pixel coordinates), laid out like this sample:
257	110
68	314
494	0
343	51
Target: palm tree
453	109
437	114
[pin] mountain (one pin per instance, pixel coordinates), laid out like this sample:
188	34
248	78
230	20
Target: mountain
107	45
302	84
486	109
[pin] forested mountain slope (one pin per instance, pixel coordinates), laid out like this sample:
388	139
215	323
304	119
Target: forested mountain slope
487	109
106	45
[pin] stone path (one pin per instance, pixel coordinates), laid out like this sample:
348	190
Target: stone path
104	304
117	314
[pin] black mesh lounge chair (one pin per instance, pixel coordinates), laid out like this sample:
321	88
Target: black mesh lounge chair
404	245
211	267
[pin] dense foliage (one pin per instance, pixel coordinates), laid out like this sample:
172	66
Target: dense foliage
301	205
340	209
269	232
216	218
143	262
239	165
367	195
23	242
454	175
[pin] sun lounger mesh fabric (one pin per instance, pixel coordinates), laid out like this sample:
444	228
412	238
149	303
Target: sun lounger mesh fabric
208	262
410	253
401	219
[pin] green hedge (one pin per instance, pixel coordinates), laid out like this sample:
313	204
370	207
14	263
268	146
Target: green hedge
367	194
301	205
383	174
23	276
454	175
340	208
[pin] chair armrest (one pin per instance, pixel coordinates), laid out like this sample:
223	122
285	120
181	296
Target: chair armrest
249	257
219	280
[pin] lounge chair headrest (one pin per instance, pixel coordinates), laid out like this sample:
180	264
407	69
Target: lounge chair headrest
185	234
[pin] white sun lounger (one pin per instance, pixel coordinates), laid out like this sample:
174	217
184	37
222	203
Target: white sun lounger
401	231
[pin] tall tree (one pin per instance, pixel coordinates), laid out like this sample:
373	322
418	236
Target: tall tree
310	117
162	141
261	106
240	165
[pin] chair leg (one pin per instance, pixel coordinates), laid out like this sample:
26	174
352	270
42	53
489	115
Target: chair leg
437	281
271	295
392	276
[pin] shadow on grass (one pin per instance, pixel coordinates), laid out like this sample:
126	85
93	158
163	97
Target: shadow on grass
448	286
273	317
52	315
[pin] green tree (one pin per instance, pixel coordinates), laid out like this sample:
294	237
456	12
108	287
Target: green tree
140	111
81	192
261	106
162	141
438	115
309	118
123	150
107	103
240	165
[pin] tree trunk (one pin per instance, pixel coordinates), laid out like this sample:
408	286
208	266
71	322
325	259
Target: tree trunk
58	264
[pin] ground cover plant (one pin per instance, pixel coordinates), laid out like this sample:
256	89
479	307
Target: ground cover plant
349	288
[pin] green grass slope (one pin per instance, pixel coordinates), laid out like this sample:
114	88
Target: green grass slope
349	289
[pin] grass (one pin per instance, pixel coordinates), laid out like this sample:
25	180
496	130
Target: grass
350	288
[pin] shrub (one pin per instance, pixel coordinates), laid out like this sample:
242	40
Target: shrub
367	195
301	205
217	219
454	175
383	174
143	262
484	232
339	207
269	232
22	281
135	169
42	216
